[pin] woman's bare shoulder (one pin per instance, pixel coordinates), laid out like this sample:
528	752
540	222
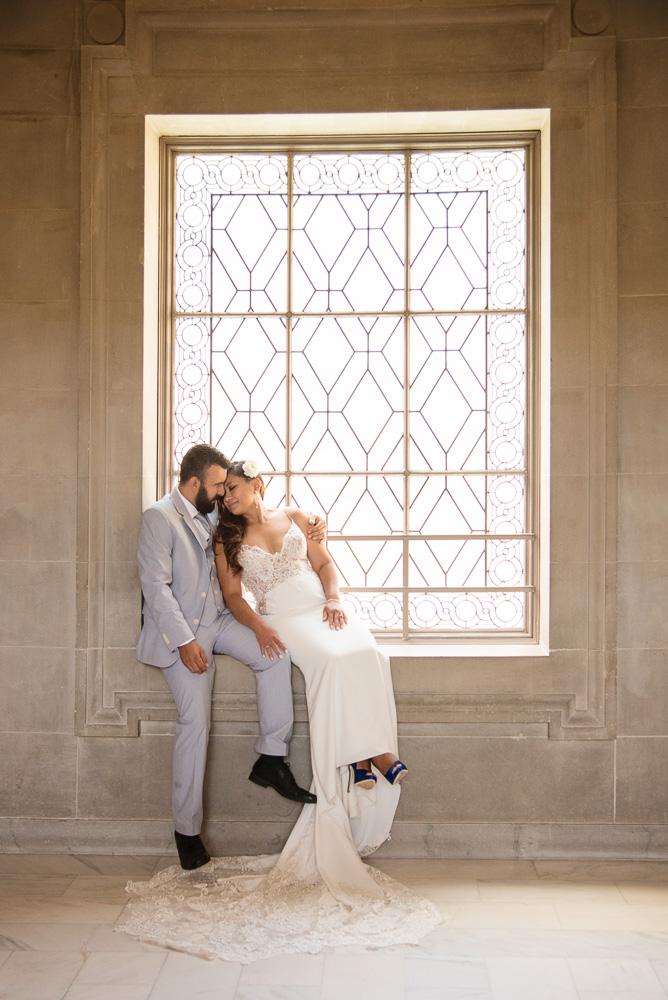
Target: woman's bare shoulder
297	515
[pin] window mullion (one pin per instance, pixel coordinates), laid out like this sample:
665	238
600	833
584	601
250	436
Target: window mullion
407	497
288	340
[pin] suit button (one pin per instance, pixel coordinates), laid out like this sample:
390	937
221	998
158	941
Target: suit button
195	621
204	593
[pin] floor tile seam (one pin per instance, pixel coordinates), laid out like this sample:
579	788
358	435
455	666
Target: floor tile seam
624	990
157	975
651	962
479	963
562	959
63	995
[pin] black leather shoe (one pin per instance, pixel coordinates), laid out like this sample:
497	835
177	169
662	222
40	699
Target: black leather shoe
272	772
192	852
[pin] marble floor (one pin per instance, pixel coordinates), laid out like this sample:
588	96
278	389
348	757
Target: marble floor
512	930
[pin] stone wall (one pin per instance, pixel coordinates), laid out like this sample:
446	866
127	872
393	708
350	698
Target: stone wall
39	310
511	756
642	746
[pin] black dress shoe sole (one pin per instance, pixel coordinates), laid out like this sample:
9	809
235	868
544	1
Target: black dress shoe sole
299	797
199	863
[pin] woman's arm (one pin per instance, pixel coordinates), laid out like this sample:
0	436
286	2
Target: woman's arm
268	640
323	564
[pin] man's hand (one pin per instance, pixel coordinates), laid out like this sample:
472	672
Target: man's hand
193	657
270	643
317	528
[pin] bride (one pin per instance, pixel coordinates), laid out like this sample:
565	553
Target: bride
318	892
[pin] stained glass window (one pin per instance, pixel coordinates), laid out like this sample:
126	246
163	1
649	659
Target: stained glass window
357	321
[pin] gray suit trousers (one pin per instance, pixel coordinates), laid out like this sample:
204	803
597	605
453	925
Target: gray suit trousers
192	694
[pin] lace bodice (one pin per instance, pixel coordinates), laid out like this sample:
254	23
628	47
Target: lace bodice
262	570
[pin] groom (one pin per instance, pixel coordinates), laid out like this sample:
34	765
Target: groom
185	622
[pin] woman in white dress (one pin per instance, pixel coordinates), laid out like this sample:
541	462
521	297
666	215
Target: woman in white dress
318	892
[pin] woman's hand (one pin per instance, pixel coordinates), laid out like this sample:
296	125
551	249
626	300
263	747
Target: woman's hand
270	643
334	614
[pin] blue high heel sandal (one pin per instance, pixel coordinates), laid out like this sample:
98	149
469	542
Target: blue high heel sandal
396	773
361	777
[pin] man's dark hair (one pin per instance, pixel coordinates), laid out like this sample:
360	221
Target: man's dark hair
198	459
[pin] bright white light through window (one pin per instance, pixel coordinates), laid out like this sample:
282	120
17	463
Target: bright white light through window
356	321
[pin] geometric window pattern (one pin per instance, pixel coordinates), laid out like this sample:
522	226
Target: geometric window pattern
357	322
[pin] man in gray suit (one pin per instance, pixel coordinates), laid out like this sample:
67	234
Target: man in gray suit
185	622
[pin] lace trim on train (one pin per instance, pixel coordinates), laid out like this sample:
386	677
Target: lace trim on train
262	911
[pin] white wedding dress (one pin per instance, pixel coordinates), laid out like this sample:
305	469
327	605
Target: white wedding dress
317	893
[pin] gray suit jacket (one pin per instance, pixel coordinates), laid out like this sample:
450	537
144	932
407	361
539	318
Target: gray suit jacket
178	580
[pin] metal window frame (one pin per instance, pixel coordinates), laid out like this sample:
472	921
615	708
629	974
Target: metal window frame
529	140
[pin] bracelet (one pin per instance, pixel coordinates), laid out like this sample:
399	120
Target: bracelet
333	600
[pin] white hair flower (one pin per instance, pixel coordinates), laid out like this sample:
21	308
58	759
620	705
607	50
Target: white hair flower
249	468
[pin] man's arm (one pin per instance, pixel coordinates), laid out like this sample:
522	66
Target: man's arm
154	558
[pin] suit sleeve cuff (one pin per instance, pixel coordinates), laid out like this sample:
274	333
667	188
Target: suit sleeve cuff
185	642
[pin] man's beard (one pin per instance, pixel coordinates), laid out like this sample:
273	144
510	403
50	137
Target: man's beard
202	502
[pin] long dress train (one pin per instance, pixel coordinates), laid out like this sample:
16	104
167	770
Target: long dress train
318	892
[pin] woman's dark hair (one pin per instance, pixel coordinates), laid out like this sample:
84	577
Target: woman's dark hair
198	459
231	528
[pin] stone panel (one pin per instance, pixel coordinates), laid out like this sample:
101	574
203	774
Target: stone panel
37	774
37	517
126	163
643	525
132	778
37	689
39	345
125	778
642	70
39	24
122	517
41	82
45	148
642	789
570	443
36	270
366	44
464	780
528	780
408	90
569	504
38	432
640	18
569	604
642	619
643	340
642	692
643	154
228	793
38	603
123	433
122	604
570	330
562	670
125	347
643	441
643	234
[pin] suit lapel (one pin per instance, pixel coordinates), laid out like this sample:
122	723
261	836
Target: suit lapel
182	511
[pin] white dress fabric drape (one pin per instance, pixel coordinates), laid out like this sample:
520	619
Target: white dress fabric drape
318	892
